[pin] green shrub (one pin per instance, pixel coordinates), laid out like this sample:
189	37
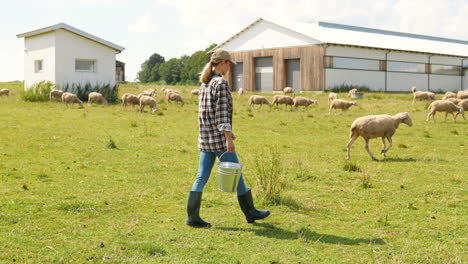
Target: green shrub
38	92
82	91
344	88
269	176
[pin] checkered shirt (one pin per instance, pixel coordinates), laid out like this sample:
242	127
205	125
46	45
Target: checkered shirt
214	114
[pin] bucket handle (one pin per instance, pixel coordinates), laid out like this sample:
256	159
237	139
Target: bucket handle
225	153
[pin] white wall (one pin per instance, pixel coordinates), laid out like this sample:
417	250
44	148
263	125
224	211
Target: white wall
40	47
355	52
266	35
69	47
445	83
408	57
465	80
446	60
375	80
402	82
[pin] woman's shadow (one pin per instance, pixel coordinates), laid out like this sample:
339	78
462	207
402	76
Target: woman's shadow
271	231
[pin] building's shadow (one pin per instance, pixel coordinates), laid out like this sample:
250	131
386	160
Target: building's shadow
271	231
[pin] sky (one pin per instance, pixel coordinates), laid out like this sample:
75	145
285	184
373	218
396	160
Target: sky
173	28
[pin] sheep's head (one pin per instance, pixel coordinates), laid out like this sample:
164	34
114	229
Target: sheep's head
413	89
354	103
405	118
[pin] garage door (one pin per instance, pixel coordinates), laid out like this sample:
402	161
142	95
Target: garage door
294	74
264	74
237	82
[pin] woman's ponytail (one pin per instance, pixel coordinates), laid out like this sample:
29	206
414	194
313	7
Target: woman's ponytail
205	75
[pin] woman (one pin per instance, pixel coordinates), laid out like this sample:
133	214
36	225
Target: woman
216	138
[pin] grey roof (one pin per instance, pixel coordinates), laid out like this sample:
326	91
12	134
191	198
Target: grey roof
74	30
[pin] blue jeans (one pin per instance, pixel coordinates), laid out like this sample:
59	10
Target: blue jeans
207	160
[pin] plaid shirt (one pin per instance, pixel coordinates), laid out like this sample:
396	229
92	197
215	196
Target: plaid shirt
214	114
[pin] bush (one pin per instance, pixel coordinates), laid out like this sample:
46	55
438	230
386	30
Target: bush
82	91
38	92
270	178
344	88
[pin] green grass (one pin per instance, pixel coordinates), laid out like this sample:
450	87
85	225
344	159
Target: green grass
105	185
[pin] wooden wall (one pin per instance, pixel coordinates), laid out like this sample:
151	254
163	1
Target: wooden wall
312	69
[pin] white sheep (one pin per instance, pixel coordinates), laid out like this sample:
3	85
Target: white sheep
5	92
303	101
95	97
175	97
147	100
454	100
148	93
351	92
462	95
444	106
258	99
167	91
129	98
463	104
341	104
69	98
332	96
448	95
419	95
241	91
195	92
374	126
288	90
55	94
283	99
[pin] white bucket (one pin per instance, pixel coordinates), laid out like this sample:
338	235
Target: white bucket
229	174
357	95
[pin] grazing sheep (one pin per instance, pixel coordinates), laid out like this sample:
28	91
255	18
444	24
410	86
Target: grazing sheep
129	98
341	104
258	99
241	91
175	97
55	94
95	97
5	92
373	126
448	95
454	100
288	90
351	92
304	102
68	98
195	92
147	100
168	91
332	96
283	99
147	93
462	95
419	95
444	106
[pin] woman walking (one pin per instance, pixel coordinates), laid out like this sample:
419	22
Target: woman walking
216	138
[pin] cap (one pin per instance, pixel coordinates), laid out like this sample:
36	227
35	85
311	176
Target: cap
220	54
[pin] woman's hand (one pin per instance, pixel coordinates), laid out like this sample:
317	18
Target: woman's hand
230	141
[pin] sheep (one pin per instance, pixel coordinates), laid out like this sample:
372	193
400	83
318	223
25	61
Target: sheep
168	91
341	104
241	91
373	126
5	92
175	97
68	98
55	94
283	99
462	95
95	97
351	92
195	92
304	102
419	95
129	98
448	95
332	96
148	93
258	99
444	106
147	100
454	100
288	90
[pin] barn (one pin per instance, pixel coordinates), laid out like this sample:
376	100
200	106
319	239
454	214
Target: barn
319	55
68	56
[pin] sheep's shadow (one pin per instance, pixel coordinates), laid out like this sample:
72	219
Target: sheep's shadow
271	231
398	160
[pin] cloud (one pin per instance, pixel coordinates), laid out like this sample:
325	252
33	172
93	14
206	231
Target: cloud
105	2
143	24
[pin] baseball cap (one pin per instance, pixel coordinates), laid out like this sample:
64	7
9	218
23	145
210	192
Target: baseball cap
220	54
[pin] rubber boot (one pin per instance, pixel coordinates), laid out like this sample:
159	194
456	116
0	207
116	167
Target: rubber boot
193	211
247	206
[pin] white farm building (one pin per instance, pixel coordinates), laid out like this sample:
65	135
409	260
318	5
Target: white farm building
66	55
318	56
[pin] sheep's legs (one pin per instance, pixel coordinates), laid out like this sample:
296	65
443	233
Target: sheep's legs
350	143
384	147
384	151
368	151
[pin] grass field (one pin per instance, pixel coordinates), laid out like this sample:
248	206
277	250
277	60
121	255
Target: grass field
105	185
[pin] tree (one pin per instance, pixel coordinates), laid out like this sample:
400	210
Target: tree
150	69
194	65
170	71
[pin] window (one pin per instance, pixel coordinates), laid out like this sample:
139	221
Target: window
85	65
353	63
446	69
38	66
400	66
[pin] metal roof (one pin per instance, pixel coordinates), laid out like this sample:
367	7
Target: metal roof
74	30
331	33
